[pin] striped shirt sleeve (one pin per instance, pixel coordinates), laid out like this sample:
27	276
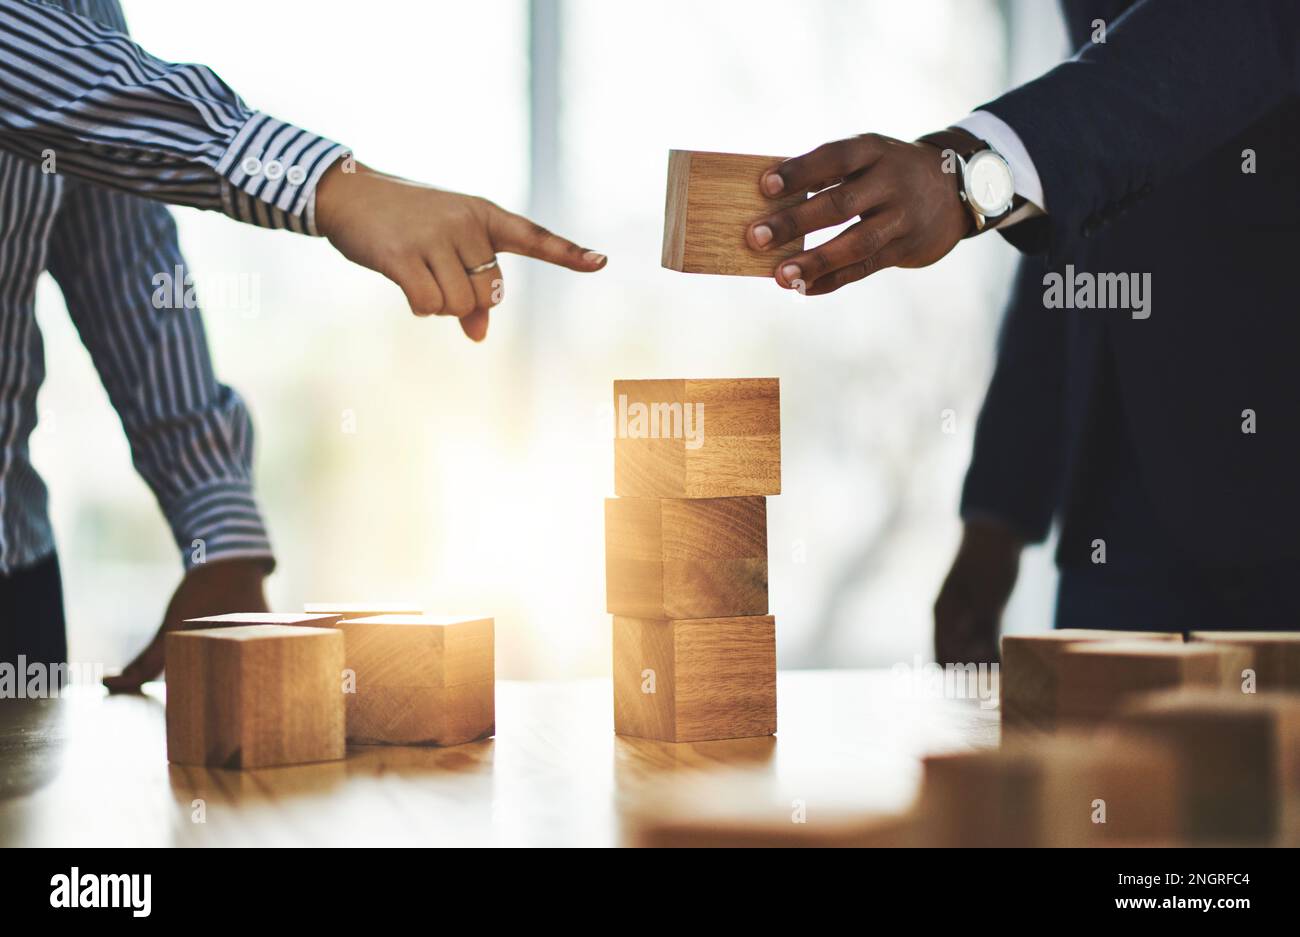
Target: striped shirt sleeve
191	436
88	99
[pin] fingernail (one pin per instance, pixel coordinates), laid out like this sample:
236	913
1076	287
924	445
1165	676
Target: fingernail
773	183
762	234
592	257
791	272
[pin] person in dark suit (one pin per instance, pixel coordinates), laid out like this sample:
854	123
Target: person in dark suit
1144	395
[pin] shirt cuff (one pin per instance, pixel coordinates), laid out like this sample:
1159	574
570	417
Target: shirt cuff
998	134
270	171
219	521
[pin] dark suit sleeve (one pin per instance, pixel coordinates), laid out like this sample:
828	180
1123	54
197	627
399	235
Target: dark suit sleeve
1015	470
1172	82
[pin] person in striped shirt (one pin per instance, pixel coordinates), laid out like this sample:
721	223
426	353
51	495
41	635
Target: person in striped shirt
96	135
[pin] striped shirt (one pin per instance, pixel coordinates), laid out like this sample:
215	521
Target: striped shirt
95	134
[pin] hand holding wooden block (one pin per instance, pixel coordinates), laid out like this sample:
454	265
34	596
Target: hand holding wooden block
687	681
712	200
683	558
1099	678
697	438
1031	668
255	695
1275	655
1238	756
420	679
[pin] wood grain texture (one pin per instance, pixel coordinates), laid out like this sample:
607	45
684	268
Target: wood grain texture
712	678
712	198
1275	655
1238	757
1030	672
422	715
1046	793
736	451
1098	678
252	696
420	678
672	559
345	610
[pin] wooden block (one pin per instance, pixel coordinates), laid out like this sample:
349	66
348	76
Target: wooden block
1098	678
252	696
1275	655
1053	792
679	558
1238	756
299	619
1030	671
346	610
697	438
420	679
712	199
725	824
688	681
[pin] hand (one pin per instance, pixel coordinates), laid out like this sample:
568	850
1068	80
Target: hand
425	240
215	588
968	612
911	213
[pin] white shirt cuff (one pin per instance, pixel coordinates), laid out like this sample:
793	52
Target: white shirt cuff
998	134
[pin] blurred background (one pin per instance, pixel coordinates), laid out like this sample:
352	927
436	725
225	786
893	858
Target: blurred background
397	461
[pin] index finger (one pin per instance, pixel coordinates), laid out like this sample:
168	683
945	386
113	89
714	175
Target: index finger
824	166
517	235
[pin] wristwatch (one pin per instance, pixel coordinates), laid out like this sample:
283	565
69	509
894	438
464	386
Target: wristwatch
985	183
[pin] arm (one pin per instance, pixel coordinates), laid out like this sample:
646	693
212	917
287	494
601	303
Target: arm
1171	83
1013	483
108	112
191	437
105	110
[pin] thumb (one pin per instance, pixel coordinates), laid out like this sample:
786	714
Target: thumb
518	235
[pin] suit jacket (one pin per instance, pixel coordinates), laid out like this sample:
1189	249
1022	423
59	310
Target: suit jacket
1135	426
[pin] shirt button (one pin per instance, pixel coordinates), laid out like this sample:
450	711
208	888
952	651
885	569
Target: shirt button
296	175
274	169
251	165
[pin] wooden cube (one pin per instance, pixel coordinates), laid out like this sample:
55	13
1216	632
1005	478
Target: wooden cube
1098	678
712	200
346	610
1238	755
1030	671
1065	790
420	679
686	558
1275	655
688	681
254	695
697	438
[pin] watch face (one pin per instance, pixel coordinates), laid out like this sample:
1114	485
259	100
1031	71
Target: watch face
989	185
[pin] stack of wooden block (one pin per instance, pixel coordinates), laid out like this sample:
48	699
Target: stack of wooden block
686	558
261	689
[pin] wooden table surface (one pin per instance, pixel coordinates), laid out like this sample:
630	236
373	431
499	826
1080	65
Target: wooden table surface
91	770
